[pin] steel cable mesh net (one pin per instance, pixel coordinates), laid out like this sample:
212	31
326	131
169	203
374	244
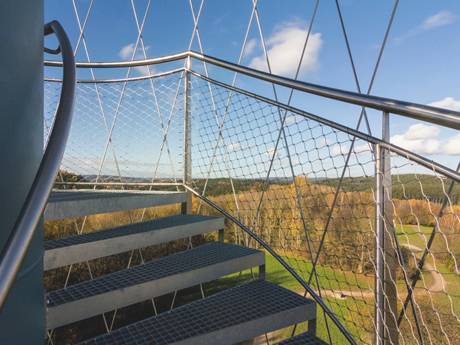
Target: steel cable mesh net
118	131
283	184
427	224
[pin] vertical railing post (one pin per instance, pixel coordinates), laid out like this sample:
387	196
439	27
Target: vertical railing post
386	256
379	244
187	177
390	253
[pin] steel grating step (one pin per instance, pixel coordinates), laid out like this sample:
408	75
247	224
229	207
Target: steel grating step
83	202
178	271
237	314
306	338
102	243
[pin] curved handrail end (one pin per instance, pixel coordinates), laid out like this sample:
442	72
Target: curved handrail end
15	249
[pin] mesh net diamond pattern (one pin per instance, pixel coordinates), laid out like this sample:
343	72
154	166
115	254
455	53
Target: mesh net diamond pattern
124	132
307	188
283	184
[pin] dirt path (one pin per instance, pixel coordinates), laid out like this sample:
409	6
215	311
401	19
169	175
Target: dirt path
437	285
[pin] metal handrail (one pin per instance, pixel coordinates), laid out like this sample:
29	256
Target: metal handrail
120	80
125	64
272	252
444	117
15	249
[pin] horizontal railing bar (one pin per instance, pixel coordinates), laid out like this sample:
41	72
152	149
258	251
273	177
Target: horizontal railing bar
121	80
444	117
147	184
432	165
124	64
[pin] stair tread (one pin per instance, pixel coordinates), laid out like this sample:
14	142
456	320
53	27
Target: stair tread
86	194
189	260
126	230
306	338
77	203
224	310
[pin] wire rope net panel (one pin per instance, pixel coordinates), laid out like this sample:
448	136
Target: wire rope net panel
308	189
124	131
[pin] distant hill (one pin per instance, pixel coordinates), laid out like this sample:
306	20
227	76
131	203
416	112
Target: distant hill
405	186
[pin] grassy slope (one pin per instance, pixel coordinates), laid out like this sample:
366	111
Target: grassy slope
358	310
413	234
276	273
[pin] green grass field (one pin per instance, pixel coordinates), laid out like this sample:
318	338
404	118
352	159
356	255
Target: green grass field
328	278
358	311
413	234
418	236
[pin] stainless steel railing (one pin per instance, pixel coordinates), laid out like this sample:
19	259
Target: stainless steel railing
381	149
19	240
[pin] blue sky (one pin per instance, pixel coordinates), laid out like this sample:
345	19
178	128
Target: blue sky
420	62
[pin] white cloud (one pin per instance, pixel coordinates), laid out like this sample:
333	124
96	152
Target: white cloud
343	150
439	19
291	119
144	70
323	141
447	103
270	152
442	18
424	139
284	48
428	146
234	146
421	131
250	47
126	53
340	150
364	148
452	145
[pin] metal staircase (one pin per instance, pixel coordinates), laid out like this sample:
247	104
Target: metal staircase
237	314
294	184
